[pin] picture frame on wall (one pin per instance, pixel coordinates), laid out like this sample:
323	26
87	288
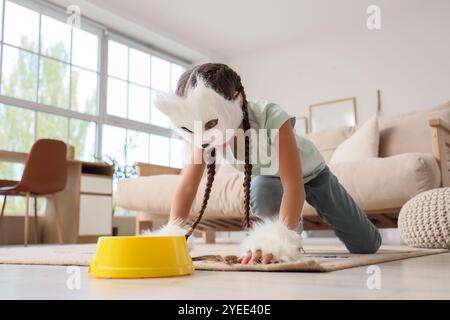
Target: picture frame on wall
333	114
301	126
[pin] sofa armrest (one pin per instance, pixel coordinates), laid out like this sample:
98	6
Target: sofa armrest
440	134
147	169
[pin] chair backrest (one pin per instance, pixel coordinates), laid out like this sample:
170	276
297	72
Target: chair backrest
45	170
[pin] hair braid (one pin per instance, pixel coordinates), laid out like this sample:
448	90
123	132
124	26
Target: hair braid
211	171
248	166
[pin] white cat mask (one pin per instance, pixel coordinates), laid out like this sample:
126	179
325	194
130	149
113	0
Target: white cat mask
202	105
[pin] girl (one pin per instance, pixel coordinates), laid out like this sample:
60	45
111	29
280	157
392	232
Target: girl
210	97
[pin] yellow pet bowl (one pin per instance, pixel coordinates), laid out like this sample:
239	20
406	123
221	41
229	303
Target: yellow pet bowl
141	257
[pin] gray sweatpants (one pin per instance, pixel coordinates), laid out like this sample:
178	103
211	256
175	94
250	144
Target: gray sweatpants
331	201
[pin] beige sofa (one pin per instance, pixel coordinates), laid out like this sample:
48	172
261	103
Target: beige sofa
413	157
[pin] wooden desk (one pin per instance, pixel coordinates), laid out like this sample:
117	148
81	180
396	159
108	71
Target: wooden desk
85	203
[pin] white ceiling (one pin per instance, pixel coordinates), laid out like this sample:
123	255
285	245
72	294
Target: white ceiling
228	28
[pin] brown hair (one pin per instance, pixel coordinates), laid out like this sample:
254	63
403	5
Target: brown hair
225	81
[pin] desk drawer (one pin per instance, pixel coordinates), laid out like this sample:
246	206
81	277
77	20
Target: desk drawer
93	184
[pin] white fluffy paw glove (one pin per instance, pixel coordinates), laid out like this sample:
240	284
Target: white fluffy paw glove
172	228
273	236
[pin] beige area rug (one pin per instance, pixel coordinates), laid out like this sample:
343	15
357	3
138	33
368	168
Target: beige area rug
318	258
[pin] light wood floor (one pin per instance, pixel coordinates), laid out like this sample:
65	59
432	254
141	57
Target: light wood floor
417	278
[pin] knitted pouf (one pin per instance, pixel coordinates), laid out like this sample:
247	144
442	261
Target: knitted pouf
424	221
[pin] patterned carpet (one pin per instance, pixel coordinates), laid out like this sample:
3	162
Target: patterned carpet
318	258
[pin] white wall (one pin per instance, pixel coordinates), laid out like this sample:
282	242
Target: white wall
408	59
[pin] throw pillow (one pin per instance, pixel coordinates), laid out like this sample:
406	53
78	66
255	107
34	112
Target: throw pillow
362	144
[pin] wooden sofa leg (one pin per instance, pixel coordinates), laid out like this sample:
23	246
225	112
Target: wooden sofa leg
143	225
209	236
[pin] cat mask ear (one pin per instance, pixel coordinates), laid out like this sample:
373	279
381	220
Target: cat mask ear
201	105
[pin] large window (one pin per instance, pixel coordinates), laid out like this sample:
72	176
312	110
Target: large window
79	85
47	66
135	77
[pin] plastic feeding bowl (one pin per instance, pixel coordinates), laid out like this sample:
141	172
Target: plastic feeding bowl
141	257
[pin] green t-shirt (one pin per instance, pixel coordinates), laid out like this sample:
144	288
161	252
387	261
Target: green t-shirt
266	115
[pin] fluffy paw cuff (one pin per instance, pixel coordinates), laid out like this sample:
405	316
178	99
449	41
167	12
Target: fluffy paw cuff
273	236
172	228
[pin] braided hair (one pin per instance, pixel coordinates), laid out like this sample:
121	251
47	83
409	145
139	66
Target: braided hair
225	82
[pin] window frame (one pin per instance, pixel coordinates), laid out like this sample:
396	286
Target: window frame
126	123
104	34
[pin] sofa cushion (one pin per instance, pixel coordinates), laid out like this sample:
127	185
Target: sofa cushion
385	183
409	132
154	194
375	183
326	141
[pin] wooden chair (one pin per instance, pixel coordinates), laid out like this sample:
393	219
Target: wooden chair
45	173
